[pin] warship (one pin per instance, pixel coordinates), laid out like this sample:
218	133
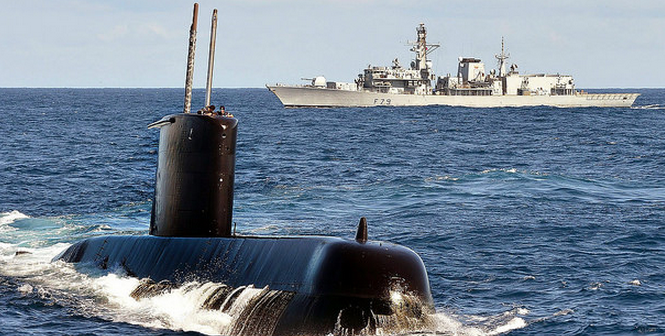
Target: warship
472	86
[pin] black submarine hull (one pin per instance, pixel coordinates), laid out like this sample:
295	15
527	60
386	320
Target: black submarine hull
331	285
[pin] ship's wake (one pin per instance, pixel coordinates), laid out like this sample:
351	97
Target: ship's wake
649	107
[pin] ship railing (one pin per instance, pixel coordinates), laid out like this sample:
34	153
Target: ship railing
606	96
294	85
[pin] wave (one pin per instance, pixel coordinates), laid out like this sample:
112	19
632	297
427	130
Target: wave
11	217
449	324
649	107
516	183
41	231
7	218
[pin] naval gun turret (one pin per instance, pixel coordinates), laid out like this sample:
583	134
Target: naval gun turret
313	285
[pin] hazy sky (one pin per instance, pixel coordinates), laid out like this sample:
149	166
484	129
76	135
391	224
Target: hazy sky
138	43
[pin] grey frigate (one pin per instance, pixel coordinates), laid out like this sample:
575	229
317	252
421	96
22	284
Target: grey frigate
472	86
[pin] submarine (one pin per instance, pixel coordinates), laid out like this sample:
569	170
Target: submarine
310	285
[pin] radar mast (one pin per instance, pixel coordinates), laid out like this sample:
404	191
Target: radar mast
422	49
502	60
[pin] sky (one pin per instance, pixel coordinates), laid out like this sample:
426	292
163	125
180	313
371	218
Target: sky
132	43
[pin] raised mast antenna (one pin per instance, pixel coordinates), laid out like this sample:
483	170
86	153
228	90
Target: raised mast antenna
502	60
190	61
211	55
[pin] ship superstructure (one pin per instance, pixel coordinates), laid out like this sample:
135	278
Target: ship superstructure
417	79
471	86
473	80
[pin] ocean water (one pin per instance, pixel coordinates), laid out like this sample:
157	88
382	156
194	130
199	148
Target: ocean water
530	221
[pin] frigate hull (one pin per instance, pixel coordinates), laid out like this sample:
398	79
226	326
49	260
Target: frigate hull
303	96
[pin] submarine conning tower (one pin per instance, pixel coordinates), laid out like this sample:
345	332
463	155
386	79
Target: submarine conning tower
195	175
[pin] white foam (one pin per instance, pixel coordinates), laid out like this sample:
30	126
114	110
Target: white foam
10	217
25	289
33	262
649	107
515	323
178	309
523	311
263	229
503	170
476	325
513	171
563	312
7	218
108	296
449	325
441	178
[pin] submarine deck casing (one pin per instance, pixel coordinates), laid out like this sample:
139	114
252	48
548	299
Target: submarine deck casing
326	274
332	283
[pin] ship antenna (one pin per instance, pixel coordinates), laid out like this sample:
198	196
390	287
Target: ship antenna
190	60
502	60
211	55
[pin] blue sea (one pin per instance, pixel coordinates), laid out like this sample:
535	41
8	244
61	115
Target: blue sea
530	221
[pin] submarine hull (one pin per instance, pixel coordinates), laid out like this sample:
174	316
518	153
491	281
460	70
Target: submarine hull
326	284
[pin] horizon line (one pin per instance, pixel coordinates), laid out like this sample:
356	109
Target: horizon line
257	87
